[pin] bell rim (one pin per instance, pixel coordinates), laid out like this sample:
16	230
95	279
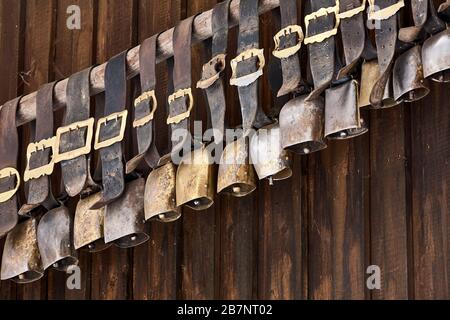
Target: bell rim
74	261
422	93
143	237
228	190
321	145
209	202
357	132
36	276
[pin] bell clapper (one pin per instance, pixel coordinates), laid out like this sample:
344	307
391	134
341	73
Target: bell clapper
91	246
343	134
237	189
133	238
271	181
21	276
306	151
55	265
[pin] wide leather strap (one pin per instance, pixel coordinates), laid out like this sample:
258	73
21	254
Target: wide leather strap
40	162
287	45
386	39
181	101
145	106
111	129
248	67
9	175
75	137
321	26
211	81
352	32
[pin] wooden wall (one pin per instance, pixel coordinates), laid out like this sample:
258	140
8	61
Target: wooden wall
379	199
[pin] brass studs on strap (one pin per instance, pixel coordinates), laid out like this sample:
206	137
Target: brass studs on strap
248	79
385	13
287	52
177	95
149	95
7	173
317	38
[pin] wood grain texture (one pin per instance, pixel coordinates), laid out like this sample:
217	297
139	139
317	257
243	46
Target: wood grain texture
111	269
430	154
11	46
388	203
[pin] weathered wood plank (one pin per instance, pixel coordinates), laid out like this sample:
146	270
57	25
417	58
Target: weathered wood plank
37	70
11	41
388	205
111	269
337	221
430	154
156	263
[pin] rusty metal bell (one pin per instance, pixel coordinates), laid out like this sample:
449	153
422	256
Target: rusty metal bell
124	217
342	116
408	81
54	236
270	160
160	194
89	225
436	57
370	73
302	125
21	261
195	180
236	175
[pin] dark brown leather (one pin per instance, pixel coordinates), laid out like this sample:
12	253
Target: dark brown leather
182	39
211	81
75	172
112	156
38	191
321	54
146	147
252	112
9	143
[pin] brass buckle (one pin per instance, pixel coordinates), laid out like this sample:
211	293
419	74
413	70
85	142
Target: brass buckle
45	170
149	95
287	52
214	63
249	78
353	12
7	173
386	13
72	154
180	94
321	13
103	121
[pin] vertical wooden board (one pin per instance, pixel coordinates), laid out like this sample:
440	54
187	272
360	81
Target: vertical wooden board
280	244
111	268
37	70
198	229
430	154
155	264
337	221
73	53
11	30
388	202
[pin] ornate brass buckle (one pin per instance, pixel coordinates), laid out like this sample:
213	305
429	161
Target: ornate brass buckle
45	170
249	78
353	12
103	121
7	173
386	13
149	95
180	94
321	13
72	154
215	66
287	52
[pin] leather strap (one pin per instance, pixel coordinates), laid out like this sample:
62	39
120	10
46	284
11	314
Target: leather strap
289	40
110	130
9	175
386	38
181	101
38	190
77	134
353	33
321	54
248	67
145	106
211	81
